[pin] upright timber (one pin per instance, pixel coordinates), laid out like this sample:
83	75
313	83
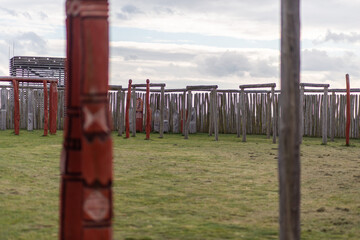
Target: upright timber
86	159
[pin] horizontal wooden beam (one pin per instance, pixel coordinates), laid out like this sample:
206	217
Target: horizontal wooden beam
264	85
201	87
314	85
26	79
151	85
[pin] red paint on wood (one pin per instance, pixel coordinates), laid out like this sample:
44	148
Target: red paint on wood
46	113
97	233
148	111
139	115
16	107
347	110
71	217
53	102
87	154
127	122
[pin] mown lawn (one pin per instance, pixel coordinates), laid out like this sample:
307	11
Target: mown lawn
173	188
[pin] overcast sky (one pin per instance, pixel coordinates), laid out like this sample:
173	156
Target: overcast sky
185	42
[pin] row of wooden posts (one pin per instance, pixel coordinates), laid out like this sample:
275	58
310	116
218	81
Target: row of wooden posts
261	110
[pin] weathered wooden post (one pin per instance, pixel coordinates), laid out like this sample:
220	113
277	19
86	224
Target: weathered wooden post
289	156
301	108
30	111
243	114
215	112
183	113
133	113
127	122
162	103
46	112
187	122
148	111
86	160
16	107
324	123
347	110
274	113
332	116
3	108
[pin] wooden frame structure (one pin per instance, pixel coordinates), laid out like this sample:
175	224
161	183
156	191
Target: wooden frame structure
324	113
52	101
243	110
213	128
148	85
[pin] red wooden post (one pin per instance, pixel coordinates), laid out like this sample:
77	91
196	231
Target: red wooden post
53	102
16	107
148	114
96	135
347	110
46	113
127	123
86	159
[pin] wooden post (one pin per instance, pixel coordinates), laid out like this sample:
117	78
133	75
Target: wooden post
86	159
162	103
215	112
127	122
332	116
53	106
16	107
243	113
148	111
30	107
119	111
301	108
325	121
289	155
183	113
274	114
268	115
133	119
46	112
347	110
187	122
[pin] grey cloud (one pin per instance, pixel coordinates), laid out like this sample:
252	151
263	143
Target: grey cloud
43	15
9	11
27	15
128	11
30	41
131	54
342	37
233	63
316	60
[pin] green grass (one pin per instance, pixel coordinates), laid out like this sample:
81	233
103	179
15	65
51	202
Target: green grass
173	188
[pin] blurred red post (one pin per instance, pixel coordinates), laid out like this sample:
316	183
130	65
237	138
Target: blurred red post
53	102
86	159
347	110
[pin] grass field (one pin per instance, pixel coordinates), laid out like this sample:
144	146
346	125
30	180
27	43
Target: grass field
173	188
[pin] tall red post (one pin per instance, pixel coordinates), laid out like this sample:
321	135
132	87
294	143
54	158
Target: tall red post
86	160
53	105
46	113
148	111
16	107
347	110
127	122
